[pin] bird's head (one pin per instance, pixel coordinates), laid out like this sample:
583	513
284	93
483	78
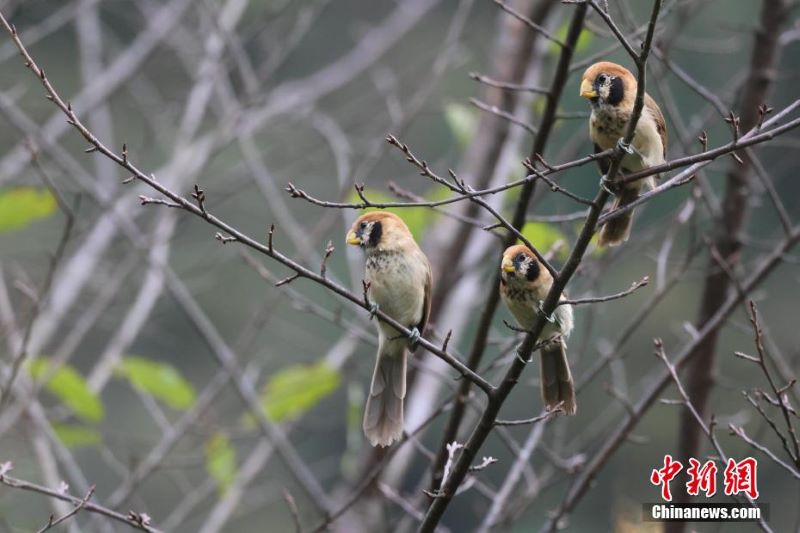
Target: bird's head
606	83
519	264
378	229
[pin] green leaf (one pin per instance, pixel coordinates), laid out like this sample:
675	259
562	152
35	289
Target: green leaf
584	40
462	121
19	206
70	388
416	218
221	460
74	436
298	388
160	380
544	236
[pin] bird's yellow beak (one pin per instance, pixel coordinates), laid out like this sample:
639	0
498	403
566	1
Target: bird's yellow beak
507	265
352	238
587	91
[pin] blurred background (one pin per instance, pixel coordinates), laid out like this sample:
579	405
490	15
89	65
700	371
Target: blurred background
126	312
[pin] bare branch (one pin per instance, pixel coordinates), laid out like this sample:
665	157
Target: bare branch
535	420
780	397
132	519
530	128
486	80
528	22
634	287
287	496
75	510
739	432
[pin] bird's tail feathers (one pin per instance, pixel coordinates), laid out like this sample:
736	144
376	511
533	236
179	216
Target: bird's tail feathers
617	230
557	385
383	416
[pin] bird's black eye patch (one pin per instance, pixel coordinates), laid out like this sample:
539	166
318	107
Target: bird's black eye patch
601	78
519	258
362	225
533	270
616	91
375	234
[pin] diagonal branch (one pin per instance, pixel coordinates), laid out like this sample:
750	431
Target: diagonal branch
132	519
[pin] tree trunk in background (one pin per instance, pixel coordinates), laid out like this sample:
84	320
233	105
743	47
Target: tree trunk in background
727	240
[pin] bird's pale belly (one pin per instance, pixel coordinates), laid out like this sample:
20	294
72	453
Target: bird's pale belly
526	313
608	127
402	299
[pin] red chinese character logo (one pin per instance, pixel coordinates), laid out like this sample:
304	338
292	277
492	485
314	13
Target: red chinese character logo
704	478
664	475
741	477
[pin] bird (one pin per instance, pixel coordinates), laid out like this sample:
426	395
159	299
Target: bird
524	284
611	90
398	279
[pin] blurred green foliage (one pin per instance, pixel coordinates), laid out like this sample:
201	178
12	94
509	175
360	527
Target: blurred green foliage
295	389
68	385
19	206
584	40
160	380
545	236
221	460
75	436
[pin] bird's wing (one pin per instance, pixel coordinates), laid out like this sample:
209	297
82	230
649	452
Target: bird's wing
661	125
426	302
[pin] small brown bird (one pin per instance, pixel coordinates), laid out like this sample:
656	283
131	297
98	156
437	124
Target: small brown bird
399	278
524	285
611	89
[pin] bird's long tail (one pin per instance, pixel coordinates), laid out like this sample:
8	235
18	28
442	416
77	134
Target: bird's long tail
383	416
557	384
617	230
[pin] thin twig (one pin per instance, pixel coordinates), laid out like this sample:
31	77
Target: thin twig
287	496
531	24
535	420
739	432
779	396
494	110
486	80
134	520
75	510
634	286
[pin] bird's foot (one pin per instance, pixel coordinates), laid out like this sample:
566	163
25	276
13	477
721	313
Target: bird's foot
373	310
607	185
413	339
549	318
625	147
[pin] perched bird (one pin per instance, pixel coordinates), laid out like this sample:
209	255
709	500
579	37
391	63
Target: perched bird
611	89
524	285
399	279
